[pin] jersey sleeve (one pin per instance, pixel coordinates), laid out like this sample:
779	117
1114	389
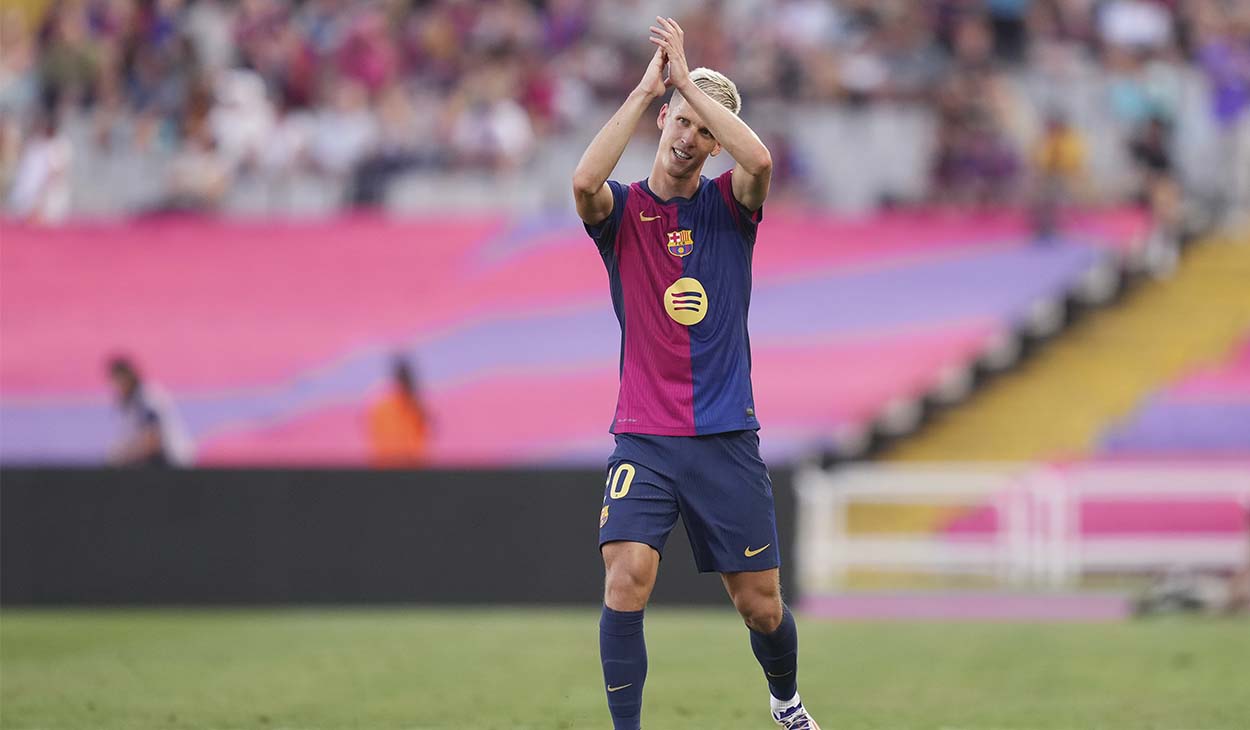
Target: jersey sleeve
748	221
604	234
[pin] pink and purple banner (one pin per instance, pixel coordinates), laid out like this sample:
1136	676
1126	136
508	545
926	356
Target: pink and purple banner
273	337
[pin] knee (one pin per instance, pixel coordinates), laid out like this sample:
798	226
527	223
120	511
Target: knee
762	613
626	589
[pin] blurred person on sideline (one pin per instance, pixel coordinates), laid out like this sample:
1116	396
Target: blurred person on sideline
41	181
153	434
1197	590
399	424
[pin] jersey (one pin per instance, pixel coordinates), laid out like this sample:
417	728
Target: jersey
680	276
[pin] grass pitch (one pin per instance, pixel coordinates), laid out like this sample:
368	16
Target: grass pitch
528	669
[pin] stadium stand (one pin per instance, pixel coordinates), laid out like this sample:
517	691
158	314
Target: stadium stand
507	320
1206	413
1125	430
1104	366
470	116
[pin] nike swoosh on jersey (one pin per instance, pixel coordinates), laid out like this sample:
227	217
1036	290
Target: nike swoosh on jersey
752	553
646	219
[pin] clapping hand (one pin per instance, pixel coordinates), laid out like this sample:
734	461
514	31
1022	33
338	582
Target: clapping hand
670	38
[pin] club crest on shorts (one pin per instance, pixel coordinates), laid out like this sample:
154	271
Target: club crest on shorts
603	516
680	244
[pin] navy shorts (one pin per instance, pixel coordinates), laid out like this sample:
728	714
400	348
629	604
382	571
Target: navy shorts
719	486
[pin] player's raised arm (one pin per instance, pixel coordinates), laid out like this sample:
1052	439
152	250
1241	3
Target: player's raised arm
753	169
590	190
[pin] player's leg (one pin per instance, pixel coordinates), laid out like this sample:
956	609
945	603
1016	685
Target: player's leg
727	506
774	638
639	512
630	569
774	641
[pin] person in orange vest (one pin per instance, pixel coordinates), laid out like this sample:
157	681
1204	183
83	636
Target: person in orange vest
399	425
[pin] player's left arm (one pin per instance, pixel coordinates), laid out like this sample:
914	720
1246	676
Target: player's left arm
753	168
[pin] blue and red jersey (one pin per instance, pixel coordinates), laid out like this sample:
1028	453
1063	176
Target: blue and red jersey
680	274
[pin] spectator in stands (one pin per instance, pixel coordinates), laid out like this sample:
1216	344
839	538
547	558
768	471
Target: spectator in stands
69	62
1150	149
241	120
286	152
200	176
18	82
399	424
1223	50
409	136
11	147
1139	24
343	132
489	127
915	62
41	181
1159	191
507	75
152	432
1058	173
1007	20
1061	33
368	54
975	163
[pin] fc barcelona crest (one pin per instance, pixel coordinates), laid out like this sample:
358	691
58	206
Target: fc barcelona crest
680	243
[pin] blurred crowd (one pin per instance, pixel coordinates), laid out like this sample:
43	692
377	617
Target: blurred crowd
364	90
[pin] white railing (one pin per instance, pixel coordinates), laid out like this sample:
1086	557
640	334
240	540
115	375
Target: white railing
1032	532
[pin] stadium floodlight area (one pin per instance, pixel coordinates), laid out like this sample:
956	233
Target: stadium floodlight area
1041	528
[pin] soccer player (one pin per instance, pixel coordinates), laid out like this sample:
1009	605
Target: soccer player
678	248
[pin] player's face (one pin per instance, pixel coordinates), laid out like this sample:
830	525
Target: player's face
685	142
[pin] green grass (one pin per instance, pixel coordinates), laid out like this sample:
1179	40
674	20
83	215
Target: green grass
516	669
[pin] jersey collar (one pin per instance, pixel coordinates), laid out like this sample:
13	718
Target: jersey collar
676	199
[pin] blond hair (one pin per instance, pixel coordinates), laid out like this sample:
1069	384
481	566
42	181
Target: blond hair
716	85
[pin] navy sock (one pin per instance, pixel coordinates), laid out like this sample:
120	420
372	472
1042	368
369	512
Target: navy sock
778	654
623	652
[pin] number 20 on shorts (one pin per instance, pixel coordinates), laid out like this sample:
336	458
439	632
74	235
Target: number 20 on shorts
620	480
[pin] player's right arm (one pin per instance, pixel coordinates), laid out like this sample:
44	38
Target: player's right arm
590	188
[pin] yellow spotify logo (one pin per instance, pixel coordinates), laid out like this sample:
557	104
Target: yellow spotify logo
686	301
